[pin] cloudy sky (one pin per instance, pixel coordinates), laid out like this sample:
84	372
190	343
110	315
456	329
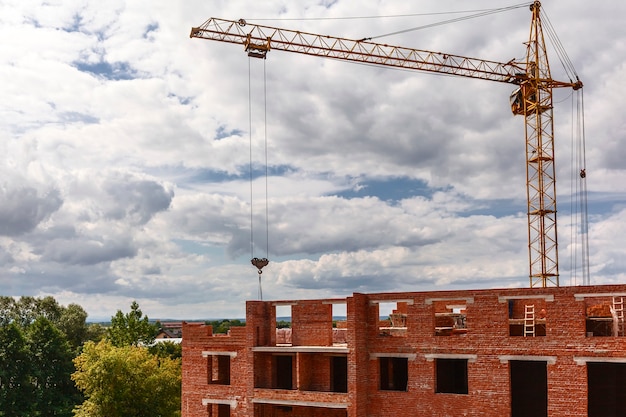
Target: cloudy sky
127	153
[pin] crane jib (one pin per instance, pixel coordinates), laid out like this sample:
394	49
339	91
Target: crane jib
532	99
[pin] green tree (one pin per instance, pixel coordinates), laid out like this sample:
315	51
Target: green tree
51	360
71	320
73	323
95	332
7	307
167	350
132	328
15	373
38	340
223	326
126	381
28	309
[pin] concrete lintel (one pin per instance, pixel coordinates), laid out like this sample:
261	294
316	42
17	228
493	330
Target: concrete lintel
581	297
468	300
409	356
207	353
301	349
409	301
284	303
583	360
335	301
551	360
505	298
232	403
432	356
317	404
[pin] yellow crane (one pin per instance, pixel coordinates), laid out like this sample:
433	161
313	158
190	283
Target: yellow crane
532	99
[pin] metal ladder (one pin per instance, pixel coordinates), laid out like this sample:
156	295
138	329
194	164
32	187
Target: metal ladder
529	320
618	307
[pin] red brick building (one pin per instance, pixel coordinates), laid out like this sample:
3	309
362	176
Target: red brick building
555	352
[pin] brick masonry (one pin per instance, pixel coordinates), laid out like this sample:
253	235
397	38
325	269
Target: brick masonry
473	325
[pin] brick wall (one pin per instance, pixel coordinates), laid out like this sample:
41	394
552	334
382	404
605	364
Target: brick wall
485	344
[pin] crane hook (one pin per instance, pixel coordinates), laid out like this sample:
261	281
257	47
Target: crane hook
259	263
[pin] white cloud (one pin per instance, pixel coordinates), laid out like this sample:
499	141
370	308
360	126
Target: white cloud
127	147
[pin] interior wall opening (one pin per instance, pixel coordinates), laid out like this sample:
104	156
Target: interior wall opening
339	374
284	371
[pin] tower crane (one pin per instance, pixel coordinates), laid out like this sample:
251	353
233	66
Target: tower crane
532	99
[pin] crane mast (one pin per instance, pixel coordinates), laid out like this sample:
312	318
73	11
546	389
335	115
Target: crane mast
536	94
532	99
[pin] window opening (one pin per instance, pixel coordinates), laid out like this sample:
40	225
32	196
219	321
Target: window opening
529	388
340	324
394	374
219	369
218	410
450	317
392	318
605	390
604	316
223	410
284	331
451	376
527	318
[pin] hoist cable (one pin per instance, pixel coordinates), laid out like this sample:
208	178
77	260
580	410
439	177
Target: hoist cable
267	222
583	182
579	228
259	263
250	166
574	196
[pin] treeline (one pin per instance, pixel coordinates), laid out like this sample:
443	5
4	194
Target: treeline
52	363
38	341
222	326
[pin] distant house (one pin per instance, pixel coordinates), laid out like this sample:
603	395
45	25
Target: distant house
170	330
168	334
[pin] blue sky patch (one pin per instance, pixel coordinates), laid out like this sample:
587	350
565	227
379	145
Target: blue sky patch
222	133
73	117
388	189
152	27
209	175
77	21
115	71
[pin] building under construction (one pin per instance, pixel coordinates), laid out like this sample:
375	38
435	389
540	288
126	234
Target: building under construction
542	351
555	352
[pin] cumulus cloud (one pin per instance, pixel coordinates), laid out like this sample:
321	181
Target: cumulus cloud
25	208
127	150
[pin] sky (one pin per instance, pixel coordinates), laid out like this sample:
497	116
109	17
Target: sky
139	164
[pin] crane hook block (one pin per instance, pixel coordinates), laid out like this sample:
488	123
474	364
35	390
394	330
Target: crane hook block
260	263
